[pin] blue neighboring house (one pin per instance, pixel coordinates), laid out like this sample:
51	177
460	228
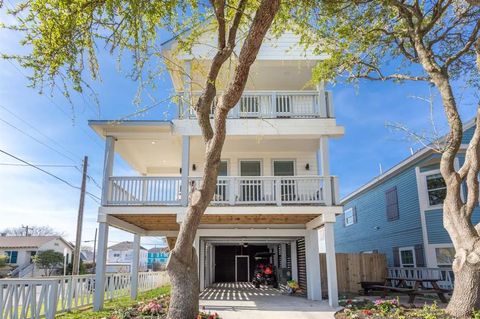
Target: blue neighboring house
399	213
157	255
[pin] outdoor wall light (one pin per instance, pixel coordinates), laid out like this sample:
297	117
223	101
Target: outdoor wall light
194	167
307	167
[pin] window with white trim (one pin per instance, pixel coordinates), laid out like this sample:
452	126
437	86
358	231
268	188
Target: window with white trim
407	257
445	256
349	217
436	189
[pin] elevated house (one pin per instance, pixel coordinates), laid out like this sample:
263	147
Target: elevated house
122	253
274	190
20	251
400	214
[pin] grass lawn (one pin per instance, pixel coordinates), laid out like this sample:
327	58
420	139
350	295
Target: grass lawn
112	305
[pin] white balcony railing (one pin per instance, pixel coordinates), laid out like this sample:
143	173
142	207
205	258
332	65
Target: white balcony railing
444	275
272	104
231	190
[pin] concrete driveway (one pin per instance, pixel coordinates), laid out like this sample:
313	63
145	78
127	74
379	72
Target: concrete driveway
243	300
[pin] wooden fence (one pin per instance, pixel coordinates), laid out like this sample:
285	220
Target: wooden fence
354	268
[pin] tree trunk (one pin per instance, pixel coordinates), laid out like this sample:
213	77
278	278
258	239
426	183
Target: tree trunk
184	280
466	292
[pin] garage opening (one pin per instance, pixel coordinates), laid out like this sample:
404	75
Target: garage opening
229	262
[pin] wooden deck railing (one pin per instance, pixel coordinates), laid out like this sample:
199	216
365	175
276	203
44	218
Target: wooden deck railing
230	190
268	104
46	297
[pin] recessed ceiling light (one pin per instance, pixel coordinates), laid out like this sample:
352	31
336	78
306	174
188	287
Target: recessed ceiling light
153	142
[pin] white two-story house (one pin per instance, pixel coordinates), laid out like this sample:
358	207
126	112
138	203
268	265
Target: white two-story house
274	190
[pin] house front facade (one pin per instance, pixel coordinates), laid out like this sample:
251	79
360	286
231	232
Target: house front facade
400	214
122	253
274	191
20	251
157	256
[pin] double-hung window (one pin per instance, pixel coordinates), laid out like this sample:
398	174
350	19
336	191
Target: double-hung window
11	256
436	189
349	217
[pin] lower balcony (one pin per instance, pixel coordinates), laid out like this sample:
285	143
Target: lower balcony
230	190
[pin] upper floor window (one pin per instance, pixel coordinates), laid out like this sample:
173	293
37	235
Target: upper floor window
350	216
436	189
392	204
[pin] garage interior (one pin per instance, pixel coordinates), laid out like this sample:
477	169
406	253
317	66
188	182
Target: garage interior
232	260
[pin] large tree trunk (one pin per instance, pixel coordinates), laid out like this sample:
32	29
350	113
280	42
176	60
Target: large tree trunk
466	291
184	277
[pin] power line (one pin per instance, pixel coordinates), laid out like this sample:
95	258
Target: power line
58	106
39	165
37	140
37	130
48	173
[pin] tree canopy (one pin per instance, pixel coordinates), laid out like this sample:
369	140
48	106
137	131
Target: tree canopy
374	40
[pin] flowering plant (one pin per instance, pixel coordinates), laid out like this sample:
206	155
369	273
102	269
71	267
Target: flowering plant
150	308
385	306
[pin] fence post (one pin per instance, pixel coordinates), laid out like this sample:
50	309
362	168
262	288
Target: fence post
52	300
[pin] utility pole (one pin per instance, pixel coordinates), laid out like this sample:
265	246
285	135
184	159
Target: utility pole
78	242
26	229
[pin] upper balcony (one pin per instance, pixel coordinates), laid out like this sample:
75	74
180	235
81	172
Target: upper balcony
230	190
269	105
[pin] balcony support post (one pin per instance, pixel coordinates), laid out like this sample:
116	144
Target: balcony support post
323	167
100	266
108	168
331	265
187	91
314	290
321	105
135	267
185	169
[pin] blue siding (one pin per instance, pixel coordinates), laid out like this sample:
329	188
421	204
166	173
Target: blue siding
435	230
371	214
467	135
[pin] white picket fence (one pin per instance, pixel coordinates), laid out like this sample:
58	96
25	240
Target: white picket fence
46	297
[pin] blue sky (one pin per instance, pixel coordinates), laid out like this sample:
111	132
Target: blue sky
30	197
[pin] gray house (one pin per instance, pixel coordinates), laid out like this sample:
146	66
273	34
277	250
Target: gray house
399	213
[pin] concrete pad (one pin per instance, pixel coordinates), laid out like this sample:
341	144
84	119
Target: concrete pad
243	300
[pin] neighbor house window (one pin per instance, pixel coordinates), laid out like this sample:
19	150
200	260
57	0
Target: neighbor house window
445	256
436	188
350	218
407	257
11	257
392	204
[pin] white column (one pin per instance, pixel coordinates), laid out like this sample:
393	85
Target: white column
185	169
323	168
187	88
314	287
331	265
135	265
108	167
321	103
293	255
201	264
101	261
